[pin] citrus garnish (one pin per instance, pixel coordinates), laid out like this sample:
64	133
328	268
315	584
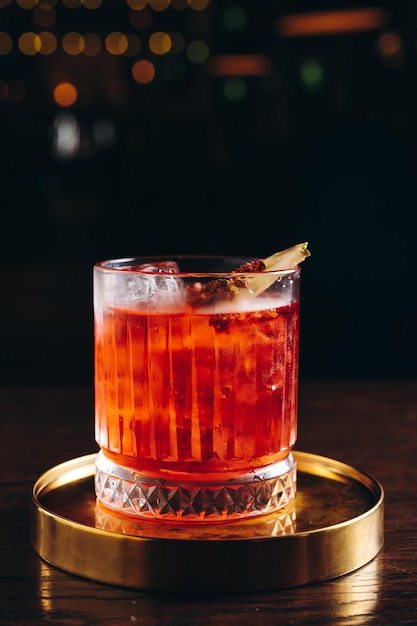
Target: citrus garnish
287	259
279	261
250	279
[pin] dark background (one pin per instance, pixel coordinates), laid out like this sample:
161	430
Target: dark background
326	156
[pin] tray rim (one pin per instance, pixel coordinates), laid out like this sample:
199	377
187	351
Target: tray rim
83	467
312	555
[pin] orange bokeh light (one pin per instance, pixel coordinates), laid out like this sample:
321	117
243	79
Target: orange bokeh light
143	71
331	22
65	94
240	65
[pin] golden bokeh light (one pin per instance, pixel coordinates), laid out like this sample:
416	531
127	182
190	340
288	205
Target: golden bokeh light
48	43
143	71
6	43
160	43
29	43
43	40
137	5
116	43
198	5
159	5
65	94
73	43
92	44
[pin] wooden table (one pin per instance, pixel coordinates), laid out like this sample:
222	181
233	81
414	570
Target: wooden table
370	425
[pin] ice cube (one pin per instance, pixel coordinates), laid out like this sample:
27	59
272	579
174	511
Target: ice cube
160	267
155	285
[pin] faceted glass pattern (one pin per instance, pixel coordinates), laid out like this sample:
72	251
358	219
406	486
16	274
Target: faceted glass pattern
195	502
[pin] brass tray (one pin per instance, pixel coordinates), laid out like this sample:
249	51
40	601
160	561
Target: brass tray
334	527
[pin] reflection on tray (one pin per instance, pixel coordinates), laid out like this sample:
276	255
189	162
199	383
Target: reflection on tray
275	524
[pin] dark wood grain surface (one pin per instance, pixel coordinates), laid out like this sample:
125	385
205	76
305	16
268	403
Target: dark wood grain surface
370	425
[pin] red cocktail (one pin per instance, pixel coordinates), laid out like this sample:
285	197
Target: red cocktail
196	381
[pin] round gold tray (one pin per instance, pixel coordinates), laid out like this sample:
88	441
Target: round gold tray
334	526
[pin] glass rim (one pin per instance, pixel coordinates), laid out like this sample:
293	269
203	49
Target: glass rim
120	265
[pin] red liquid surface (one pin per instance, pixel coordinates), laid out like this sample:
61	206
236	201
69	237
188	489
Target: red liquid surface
197	392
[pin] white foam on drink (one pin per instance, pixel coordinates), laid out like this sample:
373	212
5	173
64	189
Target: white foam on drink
247	304
163	293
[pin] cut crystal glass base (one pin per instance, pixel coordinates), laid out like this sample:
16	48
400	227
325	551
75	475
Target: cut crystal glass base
266	490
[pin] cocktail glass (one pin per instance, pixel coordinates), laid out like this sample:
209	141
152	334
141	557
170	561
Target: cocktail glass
196	385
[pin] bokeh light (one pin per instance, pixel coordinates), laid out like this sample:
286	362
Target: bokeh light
66	136
159	5
73	43
390	47
331	22
44	16
160	43
65	94
198	52
29	43
92	44
116	43
240	65
6	43
234	18
137	5
234	88
311	73
48	43
198	5
143	71
389	44
104	133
